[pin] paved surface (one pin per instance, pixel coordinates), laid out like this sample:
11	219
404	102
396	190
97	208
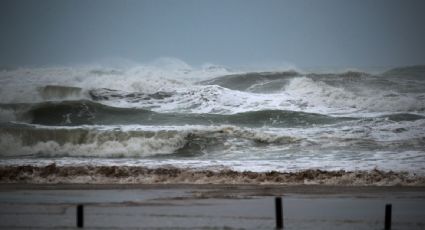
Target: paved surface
206	208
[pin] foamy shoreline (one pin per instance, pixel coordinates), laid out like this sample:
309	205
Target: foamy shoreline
90	174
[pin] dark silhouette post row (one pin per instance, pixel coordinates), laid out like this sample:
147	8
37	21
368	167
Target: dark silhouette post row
278	209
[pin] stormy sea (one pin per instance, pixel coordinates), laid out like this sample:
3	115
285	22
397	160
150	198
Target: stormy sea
174	123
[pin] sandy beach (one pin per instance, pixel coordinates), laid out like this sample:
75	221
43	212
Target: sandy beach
30	206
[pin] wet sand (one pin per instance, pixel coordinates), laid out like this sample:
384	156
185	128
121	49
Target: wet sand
184	206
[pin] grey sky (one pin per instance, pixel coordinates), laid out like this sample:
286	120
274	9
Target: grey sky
331	33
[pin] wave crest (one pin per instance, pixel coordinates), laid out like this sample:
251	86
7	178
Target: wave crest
72	113
26	140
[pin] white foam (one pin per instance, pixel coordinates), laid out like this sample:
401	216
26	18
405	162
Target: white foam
301	94
319	97
406	161
13	146
166	74
173	75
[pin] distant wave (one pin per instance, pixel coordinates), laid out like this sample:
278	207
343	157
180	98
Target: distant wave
348	92
319	94
253	82
22	85
272	82
221	91
417	71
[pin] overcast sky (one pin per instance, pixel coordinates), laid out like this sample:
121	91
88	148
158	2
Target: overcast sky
326	33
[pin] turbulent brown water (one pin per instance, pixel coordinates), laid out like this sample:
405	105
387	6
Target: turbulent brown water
52	174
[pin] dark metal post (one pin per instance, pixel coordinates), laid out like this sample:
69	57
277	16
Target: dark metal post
388	217
279	213
80	216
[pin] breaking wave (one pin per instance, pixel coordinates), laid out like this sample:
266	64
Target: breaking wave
24	140
91	113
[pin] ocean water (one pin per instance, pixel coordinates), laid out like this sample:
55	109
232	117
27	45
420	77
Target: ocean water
211	117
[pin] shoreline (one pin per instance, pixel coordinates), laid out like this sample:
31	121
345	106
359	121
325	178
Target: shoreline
89	174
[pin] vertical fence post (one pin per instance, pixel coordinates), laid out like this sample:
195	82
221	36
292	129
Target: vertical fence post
388	216
279	213
80	216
